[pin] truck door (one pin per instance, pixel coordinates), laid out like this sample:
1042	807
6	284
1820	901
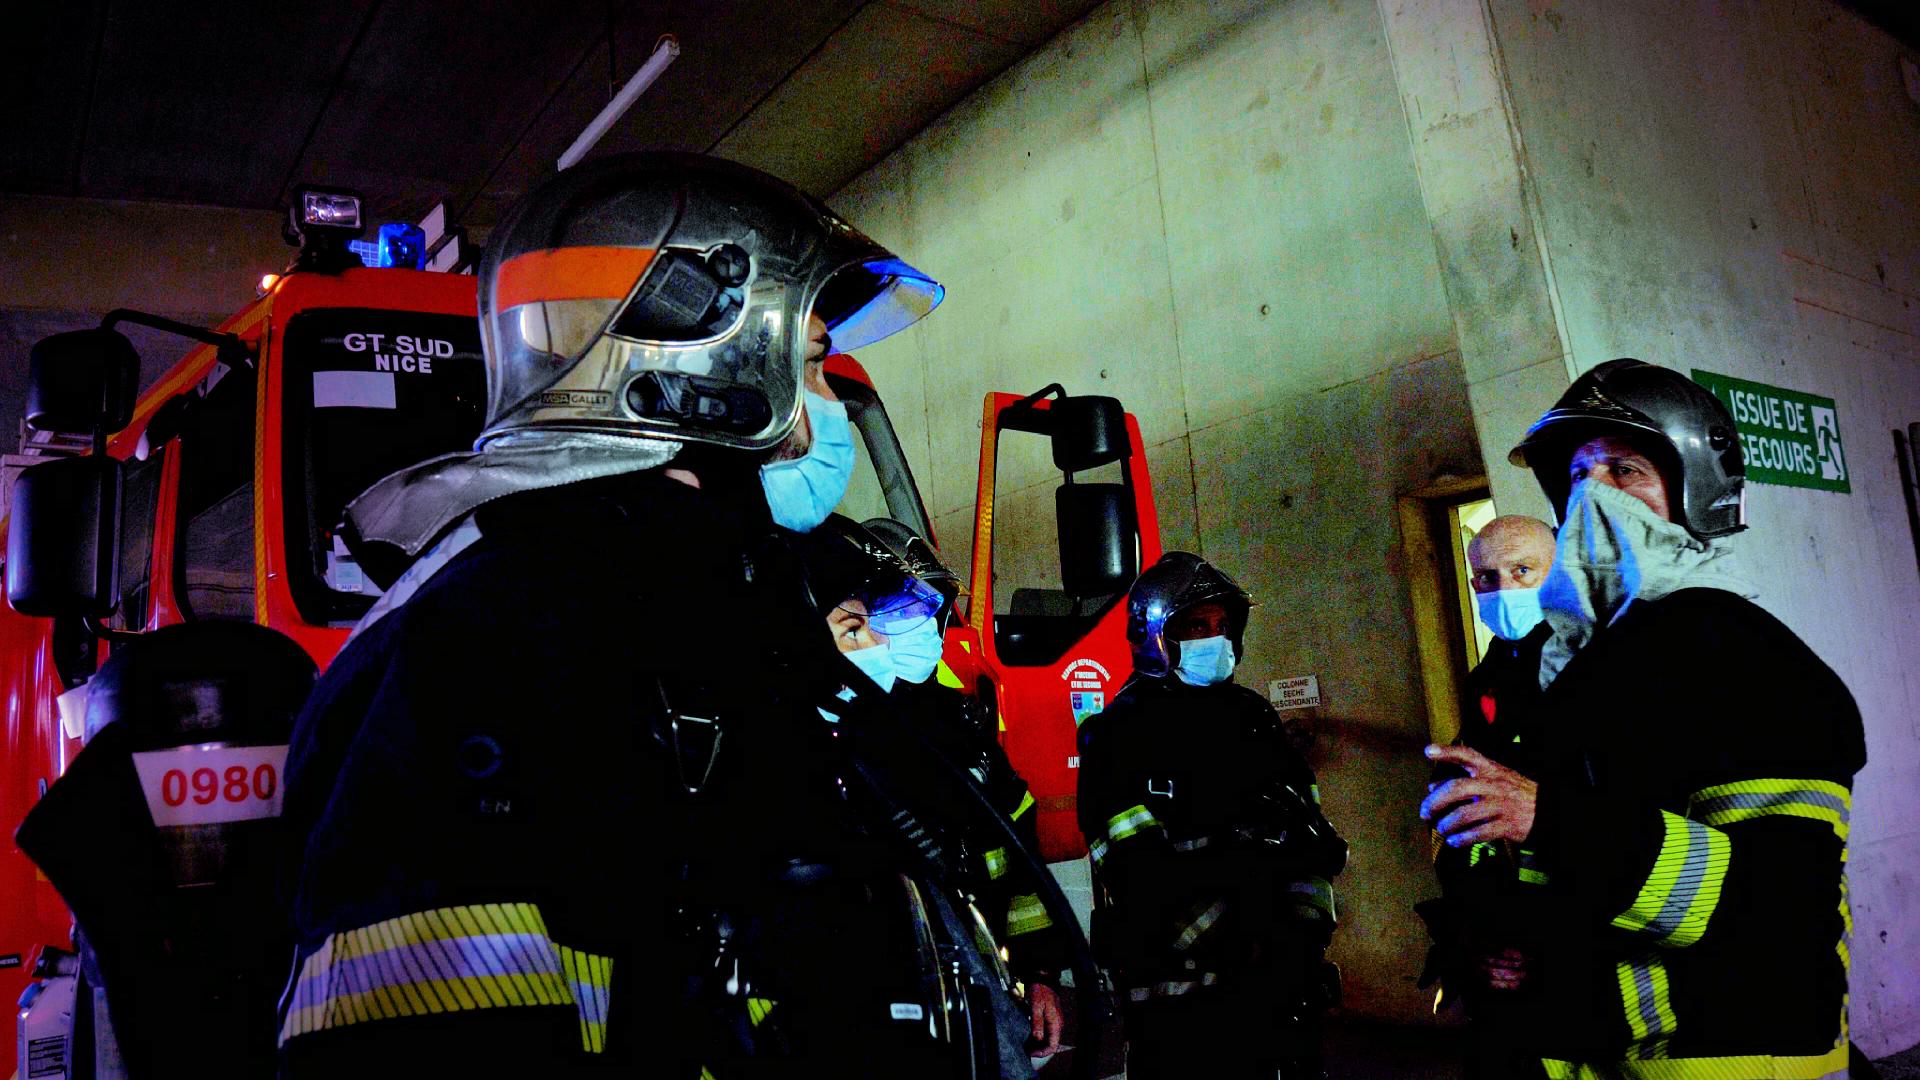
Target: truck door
1063	523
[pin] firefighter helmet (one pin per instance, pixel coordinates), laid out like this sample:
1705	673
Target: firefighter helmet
919	557
1179	581
844	561
1685	428
667	296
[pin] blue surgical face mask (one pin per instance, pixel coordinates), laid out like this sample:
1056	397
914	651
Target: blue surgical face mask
1510	613
802	491
877	662
916	652
1205	661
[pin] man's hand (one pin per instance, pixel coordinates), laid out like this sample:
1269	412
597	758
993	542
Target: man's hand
1047	1020
1492	802
1504	969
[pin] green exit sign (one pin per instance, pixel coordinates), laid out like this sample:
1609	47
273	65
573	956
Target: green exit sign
1787	437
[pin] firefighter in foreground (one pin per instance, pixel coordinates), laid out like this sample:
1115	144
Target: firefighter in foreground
881	603
1479	954
564	805
1690	806
929	696
1212	860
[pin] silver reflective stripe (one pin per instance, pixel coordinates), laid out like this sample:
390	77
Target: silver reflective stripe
1201	924
1194	844
1171	989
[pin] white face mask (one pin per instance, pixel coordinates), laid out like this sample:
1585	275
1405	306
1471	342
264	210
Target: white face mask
802	491
916	652
1510	613
877	662
1205	661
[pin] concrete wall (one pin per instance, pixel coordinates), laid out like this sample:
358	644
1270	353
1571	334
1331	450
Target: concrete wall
1210	210
1732	186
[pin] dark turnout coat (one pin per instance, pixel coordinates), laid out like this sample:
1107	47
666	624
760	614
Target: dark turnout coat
1696	766
497	865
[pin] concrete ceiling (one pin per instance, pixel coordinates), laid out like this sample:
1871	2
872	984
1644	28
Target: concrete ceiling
224	103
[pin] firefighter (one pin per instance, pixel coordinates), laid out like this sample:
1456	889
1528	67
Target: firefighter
1212	859
1478	957
931	695
563	806
1689	803
881	603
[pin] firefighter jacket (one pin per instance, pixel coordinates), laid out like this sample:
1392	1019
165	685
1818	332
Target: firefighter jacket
568	810
1696	765
1208	843
1008	899
1485	887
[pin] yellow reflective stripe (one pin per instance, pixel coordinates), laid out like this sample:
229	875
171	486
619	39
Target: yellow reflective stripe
1481	850
1648	999
1130	821
1026	914
1314	790
1191	931
591	978
996	861
1815	800
757	1010
450	959
1098	849
1831	1065
1026	804
1527	866
944	675
1683	888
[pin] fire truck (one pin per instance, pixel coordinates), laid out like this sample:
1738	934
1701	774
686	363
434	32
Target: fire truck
215	495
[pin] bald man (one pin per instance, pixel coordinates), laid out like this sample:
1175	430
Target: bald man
1481	950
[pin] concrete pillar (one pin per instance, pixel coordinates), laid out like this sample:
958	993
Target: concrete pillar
1494	258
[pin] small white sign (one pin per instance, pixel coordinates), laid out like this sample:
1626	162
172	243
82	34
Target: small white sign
212	783
1299	692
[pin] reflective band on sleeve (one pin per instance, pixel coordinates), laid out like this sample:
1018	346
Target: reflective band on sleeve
1683	888
1026	914
481	956
1816	800
1831	1065
1481	850
1097	849
1314	789
757	1010
1026	804
1648	1000
1194	844
590	977
1130	821
996	861
1194	928
1317	892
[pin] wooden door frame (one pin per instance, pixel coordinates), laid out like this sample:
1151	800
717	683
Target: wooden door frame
1436	620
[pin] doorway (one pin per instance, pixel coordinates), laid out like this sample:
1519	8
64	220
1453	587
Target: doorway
1436	524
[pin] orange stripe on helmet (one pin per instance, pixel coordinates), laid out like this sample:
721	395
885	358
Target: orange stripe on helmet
569	273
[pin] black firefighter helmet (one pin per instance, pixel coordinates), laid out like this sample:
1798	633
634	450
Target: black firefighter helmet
1179	581
1683	427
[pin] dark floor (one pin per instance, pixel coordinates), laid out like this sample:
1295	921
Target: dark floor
1902	1066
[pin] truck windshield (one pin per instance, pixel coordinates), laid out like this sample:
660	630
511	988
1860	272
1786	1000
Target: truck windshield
368	392
882	483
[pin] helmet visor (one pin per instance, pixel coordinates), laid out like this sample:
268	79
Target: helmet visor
905	609
875	299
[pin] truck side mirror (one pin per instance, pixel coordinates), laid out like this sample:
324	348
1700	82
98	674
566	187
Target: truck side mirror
1098	556
82	381
64	539
1088	432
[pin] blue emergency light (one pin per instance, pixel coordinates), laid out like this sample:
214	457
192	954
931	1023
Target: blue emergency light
400	246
